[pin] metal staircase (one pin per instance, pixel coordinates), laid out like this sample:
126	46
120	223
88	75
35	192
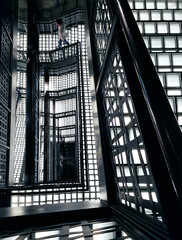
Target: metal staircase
119	178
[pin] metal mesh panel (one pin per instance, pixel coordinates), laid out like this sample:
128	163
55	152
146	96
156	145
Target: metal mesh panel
103	23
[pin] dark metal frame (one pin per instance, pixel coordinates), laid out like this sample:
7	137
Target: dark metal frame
67	55
150	101
159	125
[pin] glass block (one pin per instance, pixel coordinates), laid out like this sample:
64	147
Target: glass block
146	40
174	92
172	4
156	42
153	57
156	15
144	15
139	4
161	77
177	59
140	26
179	105
167	15
149	27
180	120
170	42
135	14
163	59
180	42
178	15
150	4
172	103
162	28
173	80
180	5
131	4
161	4
175	27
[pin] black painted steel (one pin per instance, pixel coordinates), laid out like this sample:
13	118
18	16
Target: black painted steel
128	87
137	225
32	99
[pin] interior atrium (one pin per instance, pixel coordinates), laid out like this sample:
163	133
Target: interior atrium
90	131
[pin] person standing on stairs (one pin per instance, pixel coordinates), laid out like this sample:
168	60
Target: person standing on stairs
61	33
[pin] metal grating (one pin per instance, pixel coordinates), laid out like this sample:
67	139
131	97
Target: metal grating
103	23
59	80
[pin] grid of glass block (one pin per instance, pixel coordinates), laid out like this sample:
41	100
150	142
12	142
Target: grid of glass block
103	229
134	179
76	32
160	23
5	88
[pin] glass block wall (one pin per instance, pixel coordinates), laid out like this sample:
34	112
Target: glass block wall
6	36
160	23
48	41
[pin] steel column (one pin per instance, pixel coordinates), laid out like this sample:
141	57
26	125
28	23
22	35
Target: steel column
32	128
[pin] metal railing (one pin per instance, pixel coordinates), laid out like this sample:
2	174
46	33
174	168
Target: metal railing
141	138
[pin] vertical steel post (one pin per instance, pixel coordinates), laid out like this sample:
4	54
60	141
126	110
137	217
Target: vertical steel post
54	143
32	108
46	127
